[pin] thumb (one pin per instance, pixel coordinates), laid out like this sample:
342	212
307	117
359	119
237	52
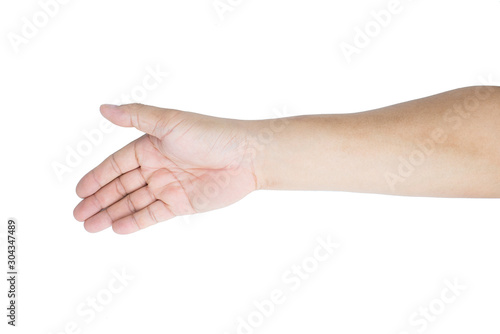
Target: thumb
152	120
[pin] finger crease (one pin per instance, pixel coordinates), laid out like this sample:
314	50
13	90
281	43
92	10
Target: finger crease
120	188
130	204
95	178
135	221
151	214
138	121
151	195
135	154
109	216
96	200
115	166
144	181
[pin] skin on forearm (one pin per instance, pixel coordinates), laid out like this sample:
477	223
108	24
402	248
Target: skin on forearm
443	145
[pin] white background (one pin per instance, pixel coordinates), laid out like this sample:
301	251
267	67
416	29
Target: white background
200	274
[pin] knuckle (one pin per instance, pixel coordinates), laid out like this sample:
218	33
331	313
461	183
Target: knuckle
133	106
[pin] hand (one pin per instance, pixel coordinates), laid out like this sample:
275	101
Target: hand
184	164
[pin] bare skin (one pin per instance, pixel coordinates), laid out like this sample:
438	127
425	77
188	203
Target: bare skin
444	145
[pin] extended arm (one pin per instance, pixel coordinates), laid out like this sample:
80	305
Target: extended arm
443	145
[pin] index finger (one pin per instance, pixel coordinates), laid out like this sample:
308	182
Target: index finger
118	163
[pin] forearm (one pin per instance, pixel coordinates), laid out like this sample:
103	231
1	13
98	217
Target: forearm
443	145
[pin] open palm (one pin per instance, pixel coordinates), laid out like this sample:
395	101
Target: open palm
184	164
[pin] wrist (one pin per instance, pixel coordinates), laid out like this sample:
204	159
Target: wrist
264	142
